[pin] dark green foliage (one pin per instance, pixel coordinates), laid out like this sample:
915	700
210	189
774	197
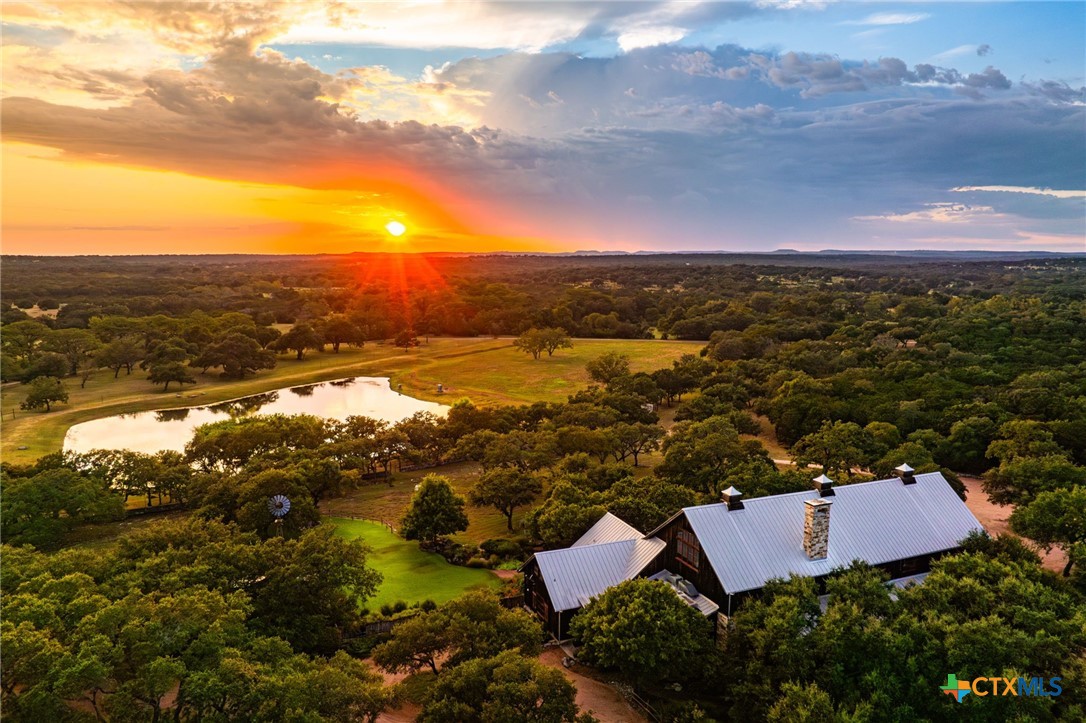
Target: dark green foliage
473	626
195	613
502	689
44	392
435	511
642	629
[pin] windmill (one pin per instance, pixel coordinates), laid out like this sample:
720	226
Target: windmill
279	506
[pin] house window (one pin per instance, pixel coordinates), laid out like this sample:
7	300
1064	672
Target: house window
687	549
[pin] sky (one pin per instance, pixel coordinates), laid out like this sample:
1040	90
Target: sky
276	127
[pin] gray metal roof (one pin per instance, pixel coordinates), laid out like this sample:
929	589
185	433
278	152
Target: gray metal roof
702	604
575	575
608	528
877	522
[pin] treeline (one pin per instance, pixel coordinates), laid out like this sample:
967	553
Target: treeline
687	297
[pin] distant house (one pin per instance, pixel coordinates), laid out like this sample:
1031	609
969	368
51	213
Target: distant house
715	556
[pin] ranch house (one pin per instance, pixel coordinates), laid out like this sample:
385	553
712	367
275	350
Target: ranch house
715	556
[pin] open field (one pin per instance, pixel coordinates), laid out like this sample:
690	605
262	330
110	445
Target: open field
487	371
409	573
386	502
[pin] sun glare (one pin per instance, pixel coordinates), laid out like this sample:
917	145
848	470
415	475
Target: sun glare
395	228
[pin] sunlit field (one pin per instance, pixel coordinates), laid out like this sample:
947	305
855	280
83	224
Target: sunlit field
485	370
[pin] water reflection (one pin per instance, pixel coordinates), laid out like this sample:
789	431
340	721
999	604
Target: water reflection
172	428
171	415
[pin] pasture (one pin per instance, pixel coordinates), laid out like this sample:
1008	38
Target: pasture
485	370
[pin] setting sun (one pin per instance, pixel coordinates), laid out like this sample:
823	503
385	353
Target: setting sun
395	228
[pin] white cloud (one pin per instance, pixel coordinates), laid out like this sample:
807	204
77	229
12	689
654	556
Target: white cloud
939	213
1022	189
956	52
889	19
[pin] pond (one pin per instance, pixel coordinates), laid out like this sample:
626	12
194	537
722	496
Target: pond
172	429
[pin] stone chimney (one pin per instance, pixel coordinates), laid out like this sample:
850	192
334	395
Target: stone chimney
733	498
816	528
824	485
906	473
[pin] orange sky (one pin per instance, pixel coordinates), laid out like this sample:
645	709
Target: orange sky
55	206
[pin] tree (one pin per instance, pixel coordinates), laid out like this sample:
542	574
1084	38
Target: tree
607	366
531	342
474	625
38	509
636	439
1056	518
22	339
417	643
554	338
801	704
836	447
698	454
300	339
507	687
166	372
435	511
338	329
237	354
505	489
120	353
44	392
643	629
406	339
1018	480
74	344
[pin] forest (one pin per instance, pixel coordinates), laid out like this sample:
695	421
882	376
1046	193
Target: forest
849	365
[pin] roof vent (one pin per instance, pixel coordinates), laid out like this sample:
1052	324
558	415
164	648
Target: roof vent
733	498
824	485
906	473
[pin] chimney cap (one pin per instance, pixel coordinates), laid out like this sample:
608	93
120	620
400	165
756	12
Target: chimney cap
817	502
731	492
733	498
904	468
822	479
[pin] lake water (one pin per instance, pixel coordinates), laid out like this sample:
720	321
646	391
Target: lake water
155	431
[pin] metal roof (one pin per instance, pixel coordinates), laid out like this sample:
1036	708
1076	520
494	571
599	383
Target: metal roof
702	604
877	522
575	575
608	528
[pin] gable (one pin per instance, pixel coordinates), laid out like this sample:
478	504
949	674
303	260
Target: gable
575	575
609	528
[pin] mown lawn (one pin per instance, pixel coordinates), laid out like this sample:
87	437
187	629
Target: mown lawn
487	371
387	502
409	573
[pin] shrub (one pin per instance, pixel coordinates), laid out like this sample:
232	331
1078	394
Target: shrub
399	606
478	562
386	610
502	548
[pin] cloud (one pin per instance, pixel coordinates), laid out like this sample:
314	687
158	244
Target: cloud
748	146
1021	189
938	213
889	19
984	49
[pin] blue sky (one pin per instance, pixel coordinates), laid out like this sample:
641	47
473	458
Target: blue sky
614	125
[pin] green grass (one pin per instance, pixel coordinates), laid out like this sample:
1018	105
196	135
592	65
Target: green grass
387	502
409	573
487	371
